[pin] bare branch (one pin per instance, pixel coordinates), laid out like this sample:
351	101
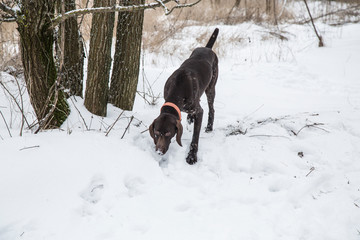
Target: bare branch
112	125
80	114
6	123
25	148
7	9
183	6
321	43
117	8
16	102
132	118
163	5
5	18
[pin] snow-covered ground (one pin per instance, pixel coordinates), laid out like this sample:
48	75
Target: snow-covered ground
283	161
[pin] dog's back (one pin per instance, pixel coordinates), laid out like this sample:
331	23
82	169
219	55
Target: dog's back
191	79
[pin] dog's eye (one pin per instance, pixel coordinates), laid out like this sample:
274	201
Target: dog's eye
157	134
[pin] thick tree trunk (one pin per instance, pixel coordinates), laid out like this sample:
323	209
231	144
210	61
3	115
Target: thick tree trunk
96	94
125	74
72	71
36	41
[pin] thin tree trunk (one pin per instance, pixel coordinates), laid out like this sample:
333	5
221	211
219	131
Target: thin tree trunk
72	72
275	16
321	43
96	94
236	5
268	7
124	79
36	42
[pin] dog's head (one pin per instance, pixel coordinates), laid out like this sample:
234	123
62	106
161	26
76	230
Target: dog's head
163	129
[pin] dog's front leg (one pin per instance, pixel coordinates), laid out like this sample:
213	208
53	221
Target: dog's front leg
192	156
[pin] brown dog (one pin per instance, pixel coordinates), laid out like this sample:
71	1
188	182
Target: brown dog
182	92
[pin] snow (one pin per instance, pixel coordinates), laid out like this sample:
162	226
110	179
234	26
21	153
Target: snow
281	163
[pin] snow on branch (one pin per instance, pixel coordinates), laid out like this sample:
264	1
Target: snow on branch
167	11
118	8
7	9
7	18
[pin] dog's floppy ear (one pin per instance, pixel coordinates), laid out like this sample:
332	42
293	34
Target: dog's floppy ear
151	130
179	132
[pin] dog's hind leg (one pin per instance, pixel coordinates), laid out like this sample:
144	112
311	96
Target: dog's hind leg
210	94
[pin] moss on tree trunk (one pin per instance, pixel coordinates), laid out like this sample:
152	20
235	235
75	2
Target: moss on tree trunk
36	41
72	72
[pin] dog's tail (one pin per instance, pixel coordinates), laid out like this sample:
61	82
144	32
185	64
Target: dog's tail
212	39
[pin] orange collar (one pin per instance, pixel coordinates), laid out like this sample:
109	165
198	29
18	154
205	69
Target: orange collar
170	104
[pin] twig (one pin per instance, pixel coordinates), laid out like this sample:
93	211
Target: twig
311	170
329	13
22	107
87	128
321	44
5	123
132	117
266	135
182	6
112	125
145	131
314	125
254	111
25	148
16	103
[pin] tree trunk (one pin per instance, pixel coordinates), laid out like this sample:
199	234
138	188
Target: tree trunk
268	7
96	94
275	14
72	72
36	42
124	79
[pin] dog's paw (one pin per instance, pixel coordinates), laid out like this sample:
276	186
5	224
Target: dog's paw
209	128
190	118
191	159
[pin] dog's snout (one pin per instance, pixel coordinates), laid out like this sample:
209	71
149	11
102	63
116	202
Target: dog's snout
161	150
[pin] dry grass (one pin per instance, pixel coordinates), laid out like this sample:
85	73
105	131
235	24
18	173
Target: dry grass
158	27
9	52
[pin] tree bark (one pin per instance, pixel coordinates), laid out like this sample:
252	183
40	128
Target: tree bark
96	94
72	71
275	16
124	79
36	43
268	7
